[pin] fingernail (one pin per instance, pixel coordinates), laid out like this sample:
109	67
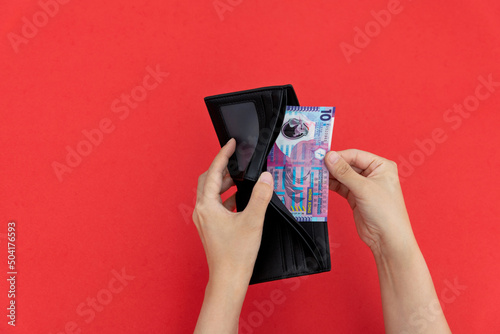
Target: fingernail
266	177
333	157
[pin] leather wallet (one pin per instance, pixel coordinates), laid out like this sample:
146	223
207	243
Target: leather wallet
254	118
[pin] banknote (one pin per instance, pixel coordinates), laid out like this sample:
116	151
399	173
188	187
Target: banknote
296	161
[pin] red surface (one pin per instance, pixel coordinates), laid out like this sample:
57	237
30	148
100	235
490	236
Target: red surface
128	203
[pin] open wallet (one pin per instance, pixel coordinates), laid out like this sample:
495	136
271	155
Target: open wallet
254	118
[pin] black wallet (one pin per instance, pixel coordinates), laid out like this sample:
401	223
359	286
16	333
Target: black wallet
254	118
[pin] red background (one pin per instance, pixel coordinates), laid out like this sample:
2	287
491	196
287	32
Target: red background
128	203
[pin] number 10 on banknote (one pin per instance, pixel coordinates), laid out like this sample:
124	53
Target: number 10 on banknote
296	161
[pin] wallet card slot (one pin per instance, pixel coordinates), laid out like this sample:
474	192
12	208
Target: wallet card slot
305	237
242	197
319	234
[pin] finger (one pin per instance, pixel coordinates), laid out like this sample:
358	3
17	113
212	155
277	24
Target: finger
215	173
343	191
339	188
227	182
351	199
343	172
357	169
367	162
230	203
261	195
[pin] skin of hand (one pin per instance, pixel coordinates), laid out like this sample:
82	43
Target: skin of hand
371	186
231	241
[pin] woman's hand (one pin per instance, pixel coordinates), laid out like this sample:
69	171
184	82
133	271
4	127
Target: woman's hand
371	186
231	241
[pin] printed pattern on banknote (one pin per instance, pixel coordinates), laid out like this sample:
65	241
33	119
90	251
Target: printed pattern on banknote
296	161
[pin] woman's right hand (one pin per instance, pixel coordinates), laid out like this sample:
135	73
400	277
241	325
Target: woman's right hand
371	186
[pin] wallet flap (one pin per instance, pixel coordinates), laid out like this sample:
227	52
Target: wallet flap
253	118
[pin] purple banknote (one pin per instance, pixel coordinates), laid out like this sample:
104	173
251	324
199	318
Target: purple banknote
296	161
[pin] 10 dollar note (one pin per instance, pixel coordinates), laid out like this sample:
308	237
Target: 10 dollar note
301	179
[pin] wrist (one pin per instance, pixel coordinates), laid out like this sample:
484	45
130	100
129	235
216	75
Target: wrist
233	283
395	250
228	294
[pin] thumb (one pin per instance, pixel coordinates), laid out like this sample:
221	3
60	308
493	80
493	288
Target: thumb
261	195
343	172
